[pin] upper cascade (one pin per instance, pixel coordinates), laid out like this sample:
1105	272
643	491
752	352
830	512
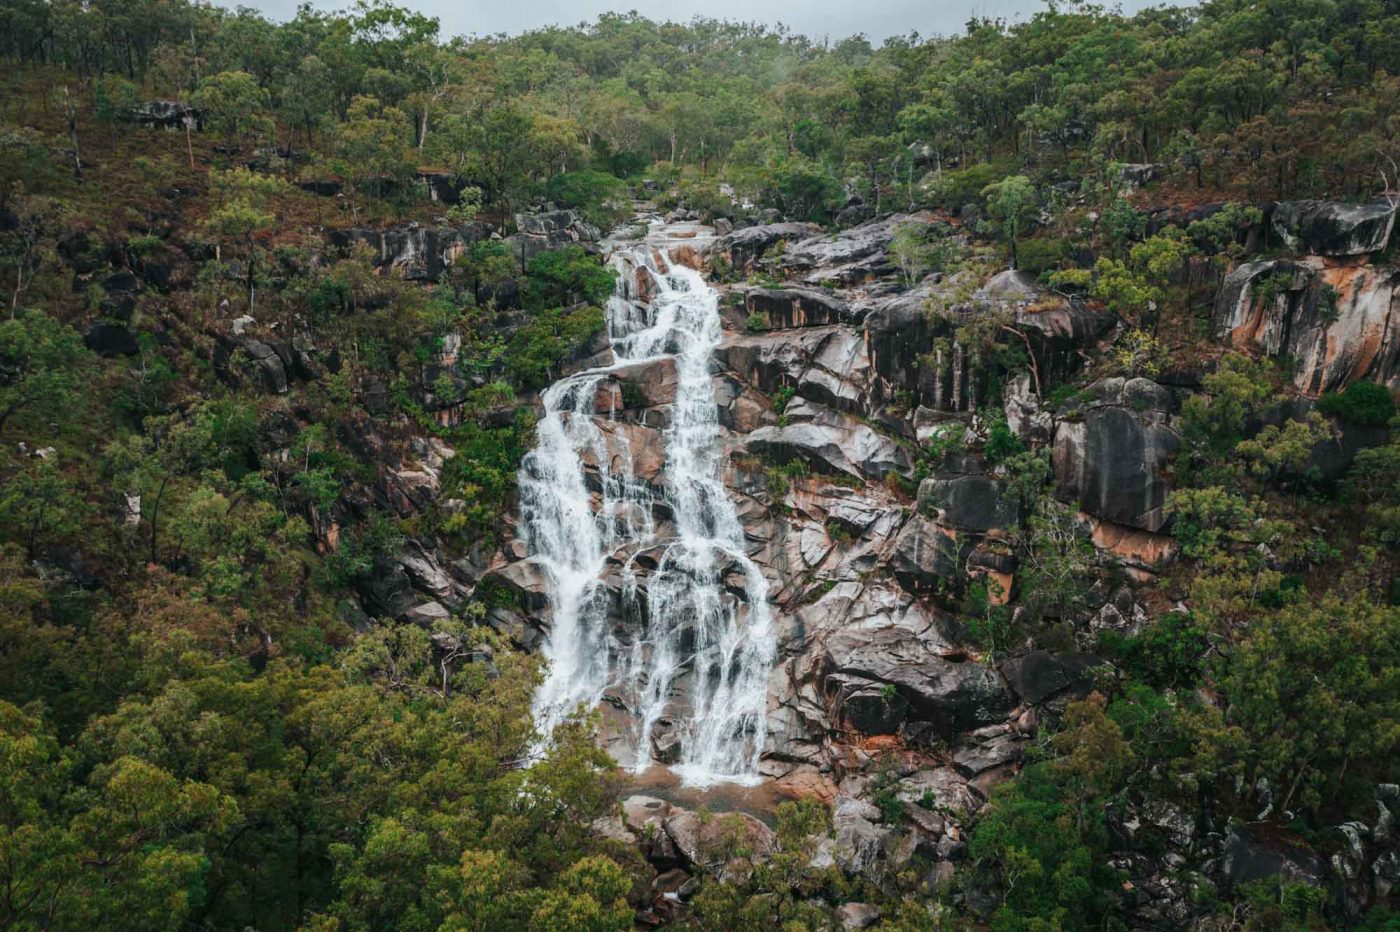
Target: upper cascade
692	646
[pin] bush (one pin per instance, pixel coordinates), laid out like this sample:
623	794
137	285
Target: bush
1361	403
568	276
587	192
954	189
1042	254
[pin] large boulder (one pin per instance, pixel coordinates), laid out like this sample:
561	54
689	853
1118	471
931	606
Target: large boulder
828	365
1331	228
971	502
742	247
852	255
1111	451
1254	852
1333	322
788	308
925	557
110	340
831	442
165	114
705	842
1040	675
905	651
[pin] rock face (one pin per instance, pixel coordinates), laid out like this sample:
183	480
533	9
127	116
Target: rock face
1337	323
1330	228
789	308
914	350
1111	451
166	114
419	253
742	247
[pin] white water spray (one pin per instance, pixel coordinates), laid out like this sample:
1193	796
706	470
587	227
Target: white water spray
702	657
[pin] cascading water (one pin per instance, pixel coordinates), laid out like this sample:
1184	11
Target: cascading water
702	656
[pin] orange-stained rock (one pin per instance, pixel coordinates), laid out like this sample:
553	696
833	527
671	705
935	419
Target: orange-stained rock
1144	548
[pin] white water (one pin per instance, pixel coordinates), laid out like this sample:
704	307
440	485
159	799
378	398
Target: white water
703	654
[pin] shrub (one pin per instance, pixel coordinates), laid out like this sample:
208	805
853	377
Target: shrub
1361	403
587	192
1042	254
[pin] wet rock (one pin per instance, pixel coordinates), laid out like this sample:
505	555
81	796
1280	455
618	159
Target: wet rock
1111	452
642	385
1331	228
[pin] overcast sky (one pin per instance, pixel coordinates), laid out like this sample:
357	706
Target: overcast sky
834	19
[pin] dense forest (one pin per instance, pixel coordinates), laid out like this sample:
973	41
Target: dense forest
281	300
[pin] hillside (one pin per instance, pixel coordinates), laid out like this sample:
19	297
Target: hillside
645	474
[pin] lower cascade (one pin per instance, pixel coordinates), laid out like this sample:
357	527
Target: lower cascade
688	651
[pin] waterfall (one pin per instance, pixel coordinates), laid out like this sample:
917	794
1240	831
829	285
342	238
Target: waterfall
693	643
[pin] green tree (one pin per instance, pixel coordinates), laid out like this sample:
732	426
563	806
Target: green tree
372	147
242	212
236	106
43	366
1012	203
1315	689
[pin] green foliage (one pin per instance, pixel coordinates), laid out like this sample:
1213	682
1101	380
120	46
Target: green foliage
1002	442
801	189
546	340
568	276
1043	840
1315	690
589	193
1364	403
1012	202
43	365
1168	654
236	106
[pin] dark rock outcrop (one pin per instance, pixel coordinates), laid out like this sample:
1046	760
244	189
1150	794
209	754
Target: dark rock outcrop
788	308
1331	228
166	114
742	247
110	340
420	253
1111	452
